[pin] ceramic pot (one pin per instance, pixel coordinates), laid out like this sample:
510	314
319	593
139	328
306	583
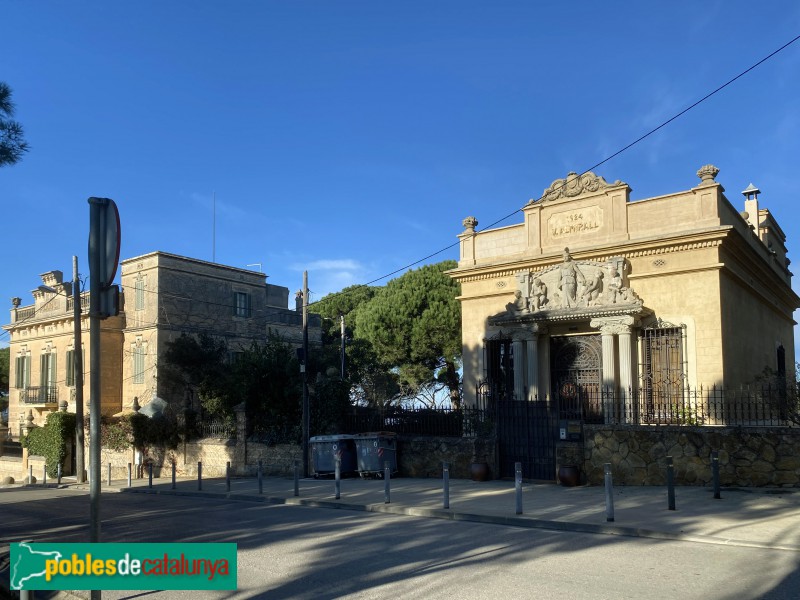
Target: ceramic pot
480	471
569	475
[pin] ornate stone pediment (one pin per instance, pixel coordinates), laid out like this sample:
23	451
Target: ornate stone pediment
576	185
573	288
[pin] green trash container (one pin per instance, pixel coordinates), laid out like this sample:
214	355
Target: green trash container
324	449
374	450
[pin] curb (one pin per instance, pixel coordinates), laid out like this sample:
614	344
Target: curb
450	515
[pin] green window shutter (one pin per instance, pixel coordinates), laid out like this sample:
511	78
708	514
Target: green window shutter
139	294
19	373
138	365
70	367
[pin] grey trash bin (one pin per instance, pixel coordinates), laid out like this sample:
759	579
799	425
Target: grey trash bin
324	449
374	450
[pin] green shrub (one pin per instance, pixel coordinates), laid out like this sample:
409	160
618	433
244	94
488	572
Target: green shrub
50	441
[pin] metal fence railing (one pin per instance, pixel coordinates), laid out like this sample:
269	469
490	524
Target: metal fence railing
742	407
446	422
217	428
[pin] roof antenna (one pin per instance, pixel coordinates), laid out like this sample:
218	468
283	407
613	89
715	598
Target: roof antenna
214	229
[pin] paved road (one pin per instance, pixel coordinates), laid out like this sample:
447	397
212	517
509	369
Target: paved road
302	552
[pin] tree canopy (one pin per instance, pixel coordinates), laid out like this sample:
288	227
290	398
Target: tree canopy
12	141
414	326
5	367
403	339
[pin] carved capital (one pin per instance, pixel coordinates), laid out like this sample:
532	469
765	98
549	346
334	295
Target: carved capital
613	325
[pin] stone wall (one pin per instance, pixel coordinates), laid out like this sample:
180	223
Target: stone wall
423	456
416	456
748	457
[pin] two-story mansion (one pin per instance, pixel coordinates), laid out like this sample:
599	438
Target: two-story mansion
619	310
163	296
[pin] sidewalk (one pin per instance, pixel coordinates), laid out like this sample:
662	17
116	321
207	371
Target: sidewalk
745	517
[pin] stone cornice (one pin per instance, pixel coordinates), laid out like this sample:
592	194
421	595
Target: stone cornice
632	249
618	311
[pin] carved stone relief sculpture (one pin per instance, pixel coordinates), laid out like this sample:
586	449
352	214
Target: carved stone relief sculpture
573	284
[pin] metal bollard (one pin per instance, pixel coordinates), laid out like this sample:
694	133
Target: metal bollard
518	485
260	477
337	476
174	469
44	475
715	473
446	485
609	492
150	475
30	474
130	469
670	484
387	476
58	473
296	478
228	476
109	474
200	476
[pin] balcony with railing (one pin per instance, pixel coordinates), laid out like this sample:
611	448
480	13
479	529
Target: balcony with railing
39	395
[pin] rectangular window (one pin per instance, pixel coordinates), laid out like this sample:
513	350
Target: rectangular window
22	375
241	304
47	378
138	364
71	372
139	303
70	367
663	374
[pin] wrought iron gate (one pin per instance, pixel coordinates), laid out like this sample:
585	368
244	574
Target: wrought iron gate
526	433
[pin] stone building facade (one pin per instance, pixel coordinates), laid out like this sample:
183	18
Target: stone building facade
600	309
163	295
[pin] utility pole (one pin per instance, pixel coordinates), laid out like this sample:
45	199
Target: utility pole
306	411
77	362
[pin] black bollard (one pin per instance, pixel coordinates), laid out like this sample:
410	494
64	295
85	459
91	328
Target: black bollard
670	484
446	485
150	475
228	476
518	486
609	492
200	476
715	473
173	474
130	469
387	476
337	476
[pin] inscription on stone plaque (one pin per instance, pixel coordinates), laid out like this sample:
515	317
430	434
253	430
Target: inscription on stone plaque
571	222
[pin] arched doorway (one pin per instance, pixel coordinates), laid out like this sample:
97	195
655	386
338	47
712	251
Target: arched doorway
576	370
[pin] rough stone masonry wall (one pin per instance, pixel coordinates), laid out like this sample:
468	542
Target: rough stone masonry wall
748	457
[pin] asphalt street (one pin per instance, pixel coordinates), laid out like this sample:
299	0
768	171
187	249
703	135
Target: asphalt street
290	551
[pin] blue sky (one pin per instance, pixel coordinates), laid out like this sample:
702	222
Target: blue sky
351	138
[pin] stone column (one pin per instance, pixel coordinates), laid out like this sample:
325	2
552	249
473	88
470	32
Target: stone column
533	366
518	346
612	388
625	370
544	362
